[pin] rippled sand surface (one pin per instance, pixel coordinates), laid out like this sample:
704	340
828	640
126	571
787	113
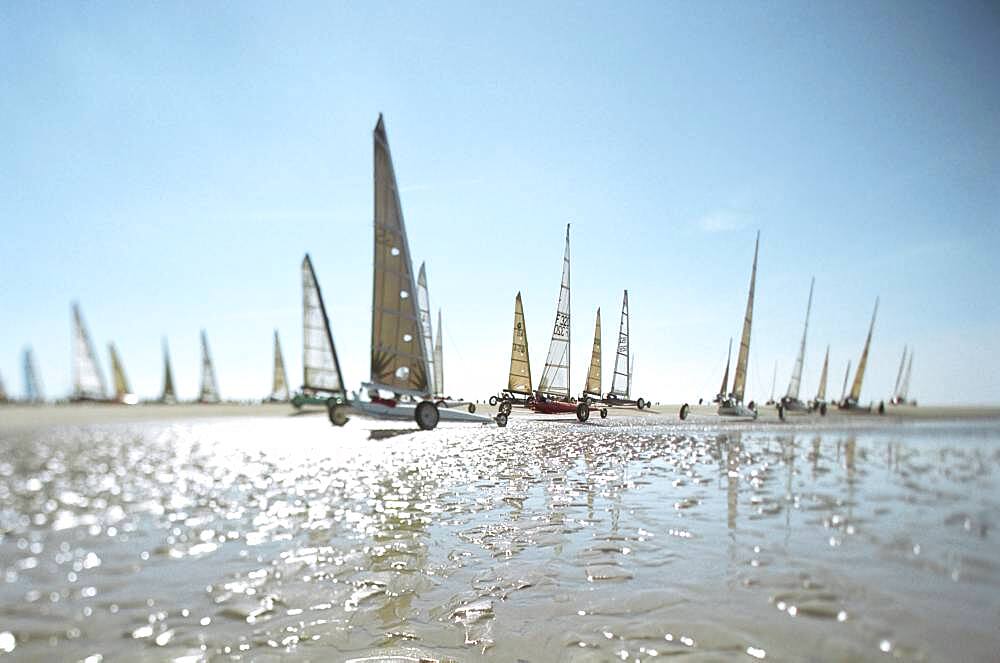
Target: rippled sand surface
624	539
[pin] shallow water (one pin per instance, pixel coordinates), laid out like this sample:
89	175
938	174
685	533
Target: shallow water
629	539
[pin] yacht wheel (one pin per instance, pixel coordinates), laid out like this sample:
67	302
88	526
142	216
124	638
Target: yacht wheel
426	415
493	401
472	408
604	413
336	412
501	420
529	401
684	411
781	411
582	412
641	403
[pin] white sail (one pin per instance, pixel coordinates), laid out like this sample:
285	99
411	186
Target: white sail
821	392
863	362
209	387
32	385
123	392
743	358
426	332
904	389
399	360
555	375
439	360
519	378
279	385
621	380
593	384
899	375
88	383
796	382
167	395
774	379
320	366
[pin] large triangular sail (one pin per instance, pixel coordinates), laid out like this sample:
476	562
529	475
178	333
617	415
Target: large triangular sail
279	385
904	390
167	395
740	379
621	380
863	362
796	382
426	331
821	392
593	385
320	365
399	360
32	385
439	360
847	374
88	382
519	378
555	375
899	375
123	392
209	387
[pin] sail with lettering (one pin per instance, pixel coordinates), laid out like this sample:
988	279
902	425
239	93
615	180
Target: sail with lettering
32	384
621	379
796	382
88	382
743	358
167	395
899	377
593	385
209	386
555	375
320	365
426	331
123	392
279	383
859	377
821	392
399	360
519	378
439	360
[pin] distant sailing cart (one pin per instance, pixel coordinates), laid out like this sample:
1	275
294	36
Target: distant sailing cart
851	402
790	401
621	379
518	391
731	403
400	387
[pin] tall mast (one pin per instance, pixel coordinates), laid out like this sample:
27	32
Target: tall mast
739	382
556	374
796	381
863	362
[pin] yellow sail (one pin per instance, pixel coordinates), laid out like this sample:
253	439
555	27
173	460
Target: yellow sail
122	390
593	386
821	393
740	379
399	359
519	380
863	362
725	376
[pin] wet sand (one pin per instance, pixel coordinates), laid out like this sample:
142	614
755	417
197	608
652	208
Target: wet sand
198	532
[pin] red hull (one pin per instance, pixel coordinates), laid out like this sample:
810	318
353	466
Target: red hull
554	407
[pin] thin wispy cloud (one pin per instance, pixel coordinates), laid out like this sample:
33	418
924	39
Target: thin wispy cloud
723	220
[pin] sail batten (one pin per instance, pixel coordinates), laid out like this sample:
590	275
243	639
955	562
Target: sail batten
439	360
796	381
399	360
556	374
593	384
743	358
821	392
621	380
209	386
88	382
320	365
863	362
519	377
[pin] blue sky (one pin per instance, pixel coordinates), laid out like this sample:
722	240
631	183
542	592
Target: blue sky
168	164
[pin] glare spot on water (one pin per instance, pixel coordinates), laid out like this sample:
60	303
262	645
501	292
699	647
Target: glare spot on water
756	652
7	642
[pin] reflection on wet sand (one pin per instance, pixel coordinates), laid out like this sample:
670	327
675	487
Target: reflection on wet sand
249	538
